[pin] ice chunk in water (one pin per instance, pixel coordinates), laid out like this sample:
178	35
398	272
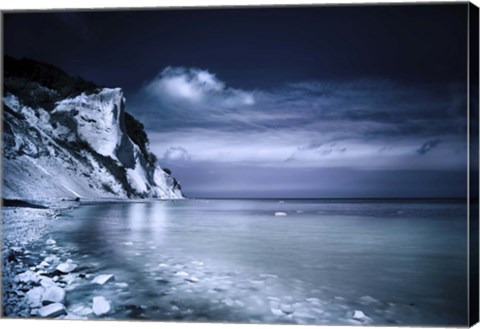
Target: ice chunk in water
26	277
359	315
66	267
101	305
102	278
52	310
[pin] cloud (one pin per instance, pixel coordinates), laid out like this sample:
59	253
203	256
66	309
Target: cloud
176	153
197	87
364	124
428	146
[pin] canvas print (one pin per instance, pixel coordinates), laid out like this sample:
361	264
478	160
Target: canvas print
275	164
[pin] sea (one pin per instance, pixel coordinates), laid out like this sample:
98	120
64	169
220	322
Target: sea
304	261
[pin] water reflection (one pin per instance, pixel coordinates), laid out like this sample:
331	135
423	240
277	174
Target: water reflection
236	261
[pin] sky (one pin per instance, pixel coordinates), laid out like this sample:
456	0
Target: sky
305	102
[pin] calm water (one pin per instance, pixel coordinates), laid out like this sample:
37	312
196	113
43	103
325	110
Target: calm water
234	261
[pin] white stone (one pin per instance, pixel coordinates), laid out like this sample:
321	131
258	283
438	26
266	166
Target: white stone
280	213
51	242
66	267
69	278
101	305
43	264
53	294
359	315
34	296
102	278
26	277
16	249
52	310
47	282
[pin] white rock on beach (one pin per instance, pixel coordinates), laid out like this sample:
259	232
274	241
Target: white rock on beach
101	305
26	277
52	310
43	264
102	278
47	282
66	267
16	249
280	213
69	278
53	294
34	296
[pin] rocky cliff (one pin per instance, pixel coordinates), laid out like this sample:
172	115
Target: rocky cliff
64	137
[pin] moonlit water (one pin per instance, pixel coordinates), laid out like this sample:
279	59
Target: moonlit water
235	261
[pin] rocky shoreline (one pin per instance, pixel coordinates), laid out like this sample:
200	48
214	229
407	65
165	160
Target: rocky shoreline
38	274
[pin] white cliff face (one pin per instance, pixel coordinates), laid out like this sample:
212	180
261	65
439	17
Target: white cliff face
97	117
79	149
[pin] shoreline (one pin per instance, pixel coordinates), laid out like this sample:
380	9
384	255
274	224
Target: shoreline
37	274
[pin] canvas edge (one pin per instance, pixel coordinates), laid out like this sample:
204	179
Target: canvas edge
473	162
